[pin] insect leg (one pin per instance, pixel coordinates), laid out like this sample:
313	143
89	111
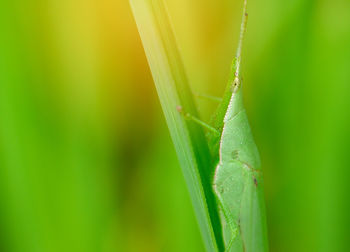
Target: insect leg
229	219
208	97
196	120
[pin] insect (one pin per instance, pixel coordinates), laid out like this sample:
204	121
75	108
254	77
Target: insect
237	180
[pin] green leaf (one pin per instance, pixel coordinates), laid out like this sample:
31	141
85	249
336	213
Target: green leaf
188	137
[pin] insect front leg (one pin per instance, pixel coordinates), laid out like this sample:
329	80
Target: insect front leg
188	116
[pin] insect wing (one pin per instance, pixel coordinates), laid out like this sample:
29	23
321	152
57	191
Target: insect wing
252	216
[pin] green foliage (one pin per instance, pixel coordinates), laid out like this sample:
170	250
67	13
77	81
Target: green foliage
55	191
86	160
174	92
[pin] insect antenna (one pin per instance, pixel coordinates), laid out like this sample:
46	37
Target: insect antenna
241	37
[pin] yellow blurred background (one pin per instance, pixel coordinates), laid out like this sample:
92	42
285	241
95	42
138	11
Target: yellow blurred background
86	161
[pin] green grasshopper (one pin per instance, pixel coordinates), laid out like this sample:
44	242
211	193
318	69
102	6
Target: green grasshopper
237	181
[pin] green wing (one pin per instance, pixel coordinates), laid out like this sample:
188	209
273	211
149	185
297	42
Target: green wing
238	183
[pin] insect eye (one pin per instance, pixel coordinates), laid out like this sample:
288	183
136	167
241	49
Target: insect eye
235	85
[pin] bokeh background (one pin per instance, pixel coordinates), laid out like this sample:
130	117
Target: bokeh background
86	161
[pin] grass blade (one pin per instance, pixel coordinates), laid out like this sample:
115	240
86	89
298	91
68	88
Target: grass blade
173	90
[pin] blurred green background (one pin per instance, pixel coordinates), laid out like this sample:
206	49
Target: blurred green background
86	161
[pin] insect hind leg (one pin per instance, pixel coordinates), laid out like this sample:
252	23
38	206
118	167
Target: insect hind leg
208	97
229	219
